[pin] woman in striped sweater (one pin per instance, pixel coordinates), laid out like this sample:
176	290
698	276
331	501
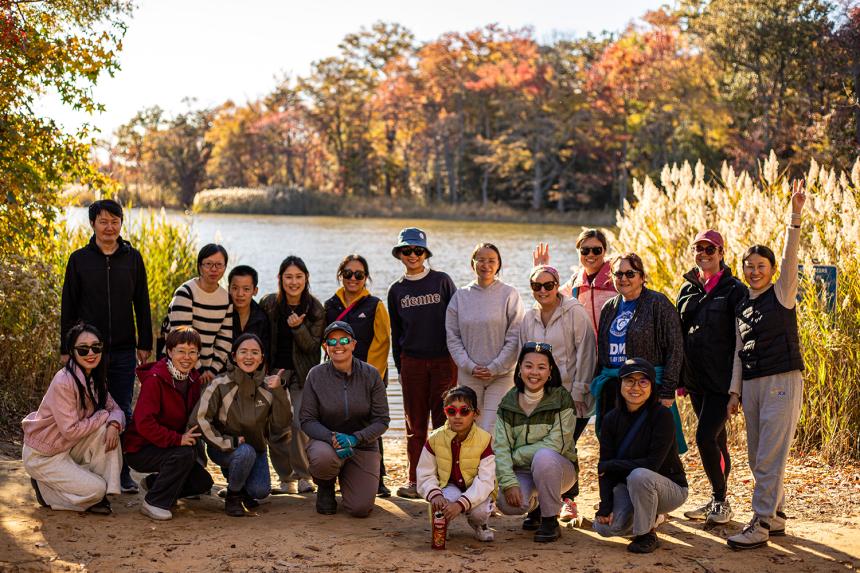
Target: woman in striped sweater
205	306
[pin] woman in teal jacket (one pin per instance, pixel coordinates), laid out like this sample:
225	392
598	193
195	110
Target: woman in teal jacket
533	442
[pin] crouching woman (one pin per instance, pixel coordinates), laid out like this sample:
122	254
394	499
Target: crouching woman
533	443
640	473
344	412
238	413
71	442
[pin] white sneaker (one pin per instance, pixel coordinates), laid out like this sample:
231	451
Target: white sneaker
305	486
156	513
721	513
483	533
754	535
700	512
286	487
569	511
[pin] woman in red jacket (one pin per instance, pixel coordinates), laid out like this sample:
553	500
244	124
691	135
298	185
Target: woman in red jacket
157	439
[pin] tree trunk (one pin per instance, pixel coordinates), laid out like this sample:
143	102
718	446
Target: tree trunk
537	189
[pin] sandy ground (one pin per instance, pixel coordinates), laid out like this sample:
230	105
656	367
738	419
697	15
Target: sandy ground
285	533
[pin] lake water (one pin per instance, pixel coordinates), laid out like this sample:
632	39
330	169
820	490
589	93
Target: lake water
263	241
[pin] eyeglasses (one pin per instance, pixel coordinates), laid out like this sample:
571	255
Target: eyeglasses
547	286
630	382
84	350
213	266
585	251
343	341
348	274
708	250
252	352
629	274
452	411
185	353
407	251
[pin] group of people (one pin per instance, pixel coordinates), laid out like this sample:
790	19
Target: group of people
507	389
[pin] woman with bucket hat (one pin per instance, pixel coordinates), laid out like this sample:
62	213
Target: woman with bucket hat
417	303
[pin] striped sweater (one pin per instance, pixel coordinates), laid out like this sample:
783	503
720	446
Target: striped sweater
211	315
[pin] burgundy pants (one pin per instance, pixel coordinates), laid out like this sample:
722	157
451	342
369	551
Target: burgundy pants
424	382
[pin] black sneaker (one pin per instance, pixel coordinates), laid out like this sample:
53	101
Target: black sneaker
126	483
645	543
39	497
382	490
532	520
326	502
248	501
233	504
548	531
101	508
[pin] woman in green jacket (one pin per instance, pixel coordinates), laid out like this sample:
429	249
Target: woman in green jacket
533	442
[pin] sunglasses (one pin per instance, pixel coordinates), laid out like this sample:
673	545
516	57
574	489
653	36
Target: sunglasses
628	274
84	350
348	274
585	251
630	383
708	250
407	251
452	411
343	341
547	286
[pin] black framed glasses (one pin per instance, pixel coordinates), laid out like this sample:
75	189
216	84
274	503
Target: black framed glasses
585	251
84	350
629	274
348	274
707	249
407	251
343	341
547	286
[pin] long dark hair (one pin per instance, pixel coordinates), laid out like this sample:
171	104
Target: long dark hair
538	348
94	385
305	300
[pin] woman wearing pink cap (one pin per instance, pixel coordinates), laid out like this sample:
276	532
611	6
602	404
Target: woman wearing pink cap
707	303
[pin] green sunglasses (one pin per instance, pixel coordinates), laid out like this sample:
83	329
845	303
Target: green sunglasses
343	340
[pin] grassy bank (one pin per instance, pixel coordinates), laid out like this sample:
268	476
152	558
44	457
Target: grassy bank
282	201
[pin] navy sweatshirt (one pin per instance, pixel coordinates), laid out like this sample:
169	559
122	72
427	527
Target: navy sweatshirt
417	309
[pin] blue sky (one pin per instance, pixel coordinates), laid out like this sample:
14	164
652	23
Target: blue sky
215	50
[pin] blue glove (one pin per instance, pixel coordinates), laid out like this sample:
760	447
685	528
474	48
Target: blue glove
346	440
344	453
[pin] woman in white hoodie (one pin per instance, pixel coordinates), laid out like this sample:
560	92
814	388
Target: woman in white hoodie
563	322
482	324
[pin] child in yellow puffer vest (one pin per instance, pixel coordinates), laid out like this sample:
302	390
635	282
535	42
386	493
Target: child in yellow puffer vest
456	472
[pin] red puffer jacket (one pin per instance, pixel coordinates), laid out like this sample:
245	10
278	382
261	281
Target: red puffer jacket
161	413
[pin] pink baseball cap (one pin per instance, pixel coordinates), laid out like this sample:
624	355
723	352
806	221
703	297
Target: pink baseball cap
709	236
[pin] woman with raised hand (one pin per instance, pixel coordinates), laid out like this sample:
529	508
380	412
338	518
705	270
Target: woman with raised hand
483	326
637	322
238	414
159	441
768	375
71	443
640	475
533	443
203	304
418	302
707	303
368	317
344	413
592	284
563	323
297	320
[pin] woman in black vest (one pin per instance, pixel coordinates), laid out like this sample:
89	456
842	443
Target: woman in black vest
366	314
707	303
768	374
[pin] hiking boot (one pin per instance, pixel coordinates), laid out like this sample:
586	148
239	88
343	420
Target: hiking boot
233	504
305	486
126	483
645	543
408	491
754	535
777	525
548	531
482	532
101	508
569	511
39	497
156	513
721	513
248	501
382	490
326	502
700	512
532	520
286	487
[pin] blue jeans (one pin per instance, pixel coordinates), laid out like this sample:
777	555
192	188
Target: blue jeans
245	468
120	378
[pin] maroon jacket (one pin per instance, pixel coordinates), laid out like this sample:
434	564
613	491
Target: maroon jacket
161	413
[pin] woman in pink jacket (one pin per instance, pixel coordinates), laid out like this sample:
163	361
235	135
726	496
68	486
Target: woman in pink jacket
71	443
592	283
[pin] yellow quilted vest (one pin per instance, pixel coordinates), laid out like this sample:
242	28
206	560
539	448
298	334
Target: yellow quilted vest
470	452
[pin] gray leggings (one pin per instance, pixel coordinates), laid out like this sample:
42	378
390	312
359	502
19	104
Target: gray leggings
551	474
637	503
